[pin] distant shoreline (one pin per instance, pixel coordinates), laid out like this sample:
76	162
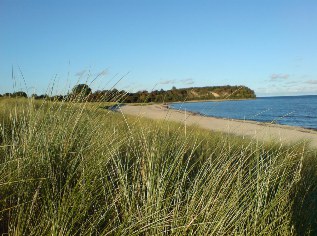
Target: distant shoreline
213	100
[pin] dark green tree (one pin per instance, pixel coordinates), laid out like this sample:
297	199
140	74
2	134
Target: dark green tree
81	89
20	94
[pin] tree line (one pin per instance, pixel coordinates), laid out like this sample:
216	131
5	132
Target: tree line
82	92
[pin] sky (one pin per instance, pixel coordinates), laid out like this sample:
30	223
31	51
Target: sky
267	45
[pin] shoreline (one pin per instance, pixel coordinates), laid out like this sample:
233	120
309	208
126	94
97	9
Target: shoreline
299	128
253	129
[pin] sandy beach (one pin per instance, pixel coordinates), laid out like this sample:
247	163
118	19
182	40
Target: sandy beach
256	130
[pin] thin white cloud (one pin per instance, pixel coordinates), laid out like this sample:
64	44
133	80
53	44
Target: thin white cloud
312	81
292	82
168	81
304	89
80	73
175	81
187	81
274	77
287	90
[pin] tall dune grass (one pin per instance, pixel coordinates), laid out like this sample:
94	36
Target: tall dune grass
75	169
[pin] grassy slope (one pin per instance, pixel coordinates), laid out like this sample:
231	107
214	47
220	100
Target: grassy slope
70	169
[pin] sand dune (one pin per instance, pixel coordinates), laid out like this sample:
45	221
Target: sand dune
256	130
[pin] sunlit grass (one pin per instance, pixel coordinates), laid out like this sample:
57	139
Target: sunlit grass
71	168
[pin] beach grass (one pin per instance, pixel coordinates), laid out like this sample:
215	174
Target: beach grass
70	168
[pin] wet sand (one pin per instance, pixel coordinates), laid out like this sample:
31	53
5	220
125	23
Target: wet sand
256	130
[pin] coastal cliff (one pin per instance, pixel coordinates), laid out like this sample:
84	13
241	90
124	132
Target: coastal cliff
193	93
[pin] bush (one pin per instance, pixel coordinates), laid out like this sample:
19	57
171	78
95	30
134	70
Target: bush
19	94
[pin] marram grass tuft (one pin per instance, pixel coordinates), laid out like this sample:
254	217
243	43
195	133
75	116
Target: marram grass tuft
71	168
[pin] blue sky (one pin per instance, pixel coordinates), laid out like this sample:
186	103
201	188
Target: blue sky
268	45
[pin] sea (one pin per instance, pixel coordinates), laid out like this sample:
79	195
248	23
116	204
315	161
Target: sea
298	111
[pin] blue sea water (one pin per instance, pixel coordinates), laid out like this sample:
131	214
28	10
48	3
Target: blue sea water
288	110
